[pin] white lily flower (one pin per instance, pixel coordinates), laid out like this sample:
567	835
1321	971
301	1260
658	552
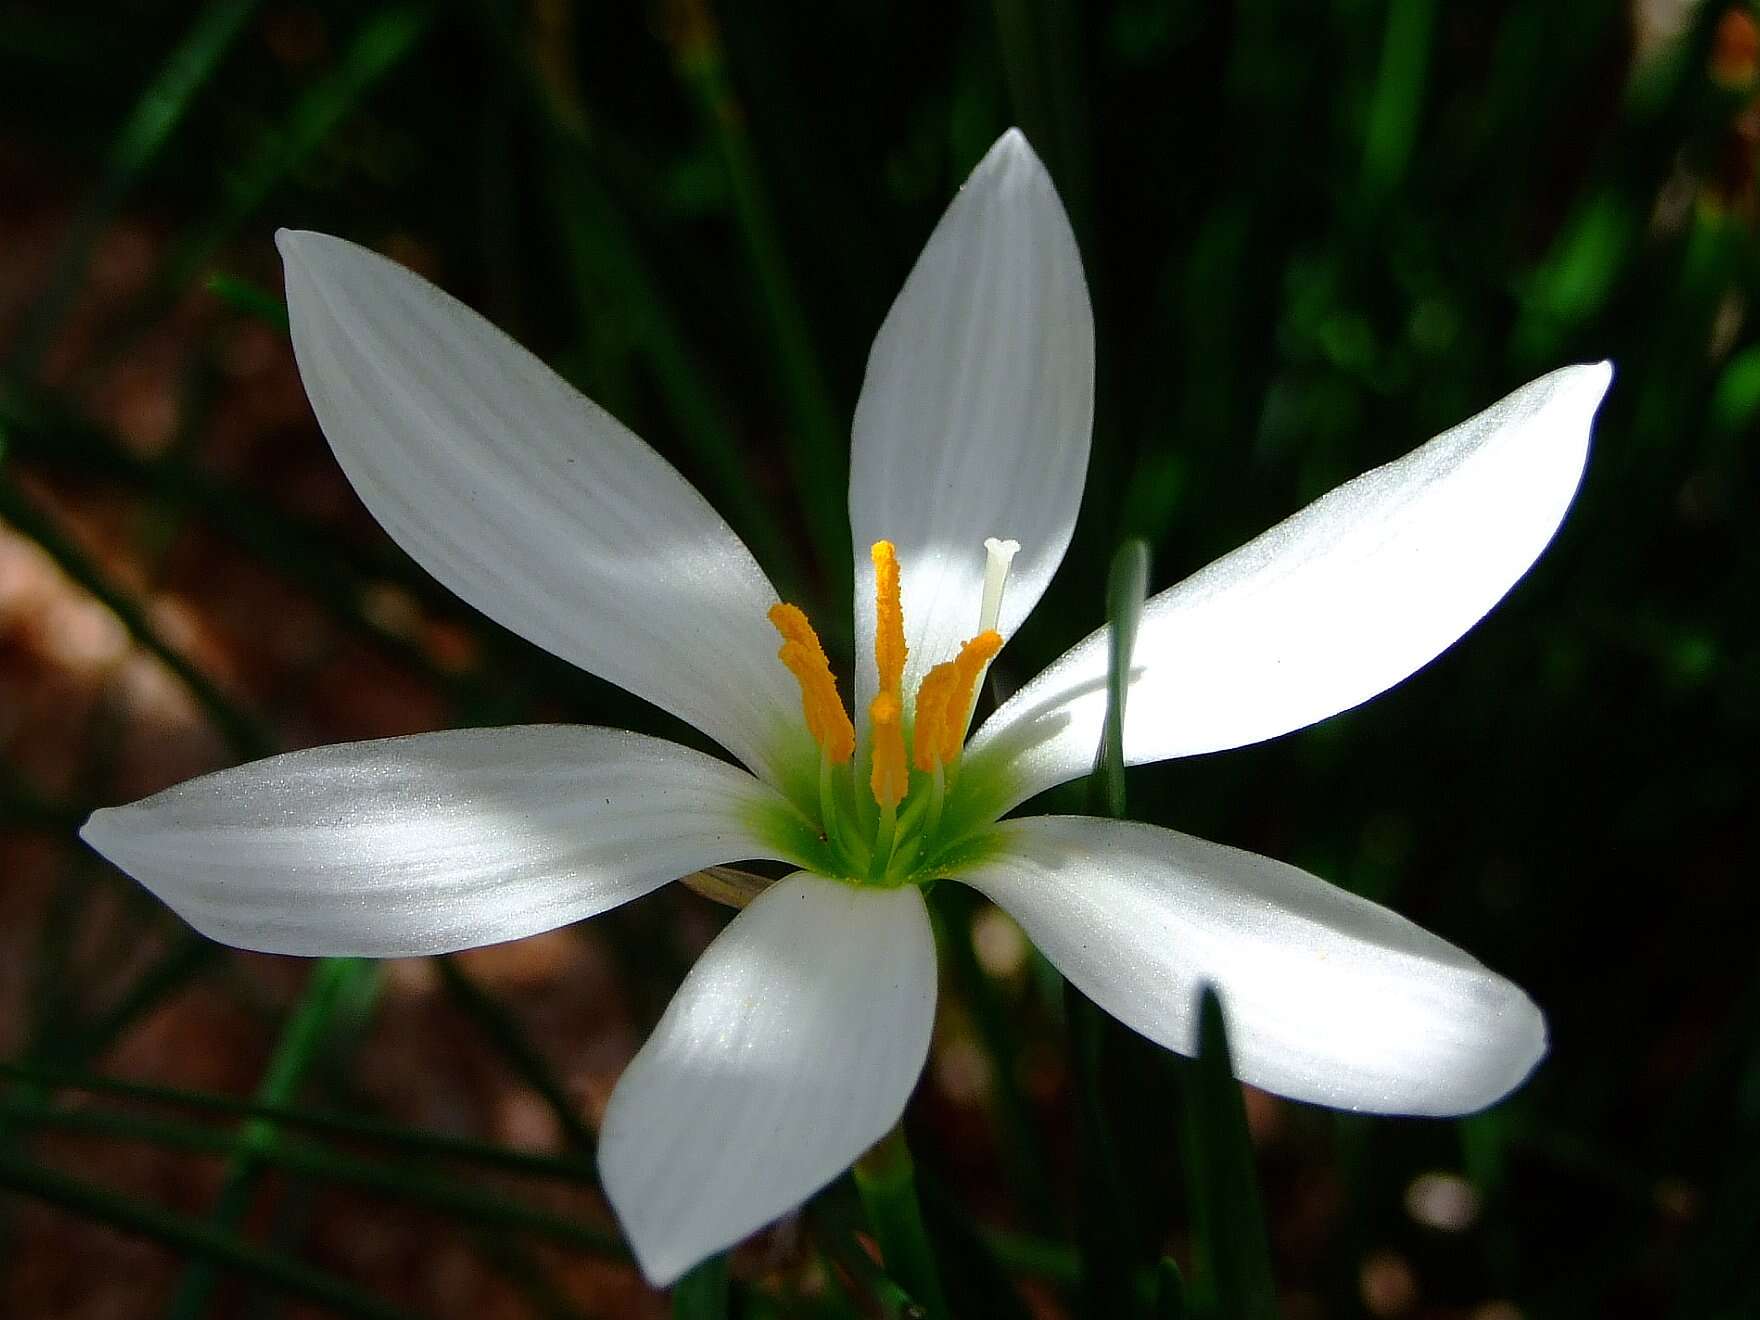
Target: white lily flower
796	1040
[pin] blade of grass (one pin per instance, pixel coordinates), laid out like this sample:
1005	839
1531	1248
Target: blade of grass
252	299
190	1237
189	957
833	1216
1127	585
702	1293
1040	42
441	1192
1170	1291
530	1275
242	732
816	438
1233	1277
886	1180
1395	112
56	983
412	1141
23	808
605	258
335	574
974	1279
1040	1258
137	144
336	985
955	906
378	46
503	1031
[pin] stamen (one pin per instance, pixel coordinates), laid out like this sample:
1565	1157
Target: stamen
931	707
944	703
827	721
889	649
998	555
890	779
962	691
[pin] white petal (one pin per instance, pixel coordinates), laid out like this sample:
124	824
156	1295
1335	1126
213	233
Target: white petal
531	502
790	1048
1330	607
1328	997
435	842
975	415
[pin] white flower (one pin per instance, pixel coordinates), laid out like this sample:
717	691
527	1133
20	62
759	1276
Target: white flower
797	1038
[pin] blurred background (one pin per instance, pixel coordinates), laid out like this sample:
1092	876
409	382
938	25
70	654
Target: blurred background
1315	235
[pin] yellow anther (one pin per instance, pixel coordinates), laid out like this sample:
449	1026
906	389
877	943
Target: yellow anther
890	779
889	649
962	689
827	720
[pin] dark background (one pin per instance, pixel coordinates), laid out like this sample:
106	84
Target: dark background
1315	235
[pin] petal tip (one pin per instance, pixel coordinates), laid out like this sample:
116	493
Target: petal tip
307	248
1009	153
106	832
1513	1059
662	1253
95	830
662	1264
1582	387
1596	378
287	242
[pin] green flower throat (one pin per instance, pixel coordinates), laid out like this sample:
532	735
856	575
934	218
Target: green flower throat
917	817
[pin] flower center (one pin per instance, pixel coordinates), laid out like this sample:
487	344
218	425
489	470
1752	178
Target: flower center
893	833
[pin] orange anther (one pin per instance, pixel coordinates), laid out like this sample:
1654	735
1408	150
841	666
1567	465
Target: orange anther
890	779
827	721
962	689
931	708
889	648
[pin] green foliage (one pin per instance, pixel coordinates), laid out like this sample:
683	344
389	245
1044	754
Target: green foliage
1315	234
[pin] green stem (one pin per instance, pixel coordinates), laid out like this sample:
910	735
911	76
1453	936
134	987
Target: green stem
335	987
887	1181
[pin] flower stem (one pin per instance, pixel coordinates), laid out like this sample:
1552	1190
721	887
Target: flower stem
887	1181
